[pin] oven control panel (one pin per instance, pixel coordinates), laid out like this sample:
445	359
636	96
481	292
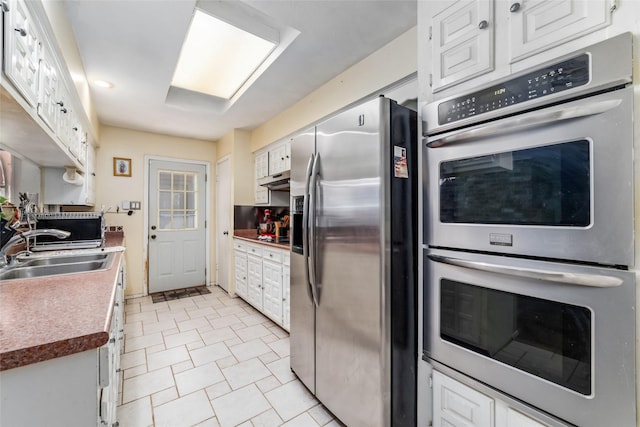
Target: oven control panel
542	82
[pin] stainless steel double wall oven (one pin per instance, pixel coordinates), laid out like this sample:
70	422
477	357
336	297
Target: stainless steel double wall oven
529	224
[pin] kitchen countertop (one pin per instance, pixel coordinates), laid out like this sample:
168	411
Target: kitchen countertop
251	235
55	316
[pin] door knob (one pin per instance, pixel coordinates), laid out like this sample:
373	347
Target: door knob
153	236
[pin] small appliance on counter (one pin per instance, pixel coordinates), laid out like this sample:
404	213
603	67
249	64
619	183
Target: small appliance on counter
86	228
271	230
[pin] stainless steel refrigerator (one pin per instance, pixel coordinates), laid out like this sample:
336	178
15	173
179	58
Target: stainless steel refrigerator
353	263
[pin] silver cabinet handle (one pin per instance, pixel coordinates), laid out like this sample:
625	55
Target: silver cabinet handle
483	24
514	7
4	6
535	119
22	31
591	280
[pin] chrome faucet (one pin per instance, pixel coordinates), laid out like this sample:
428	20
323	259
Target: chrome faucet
24	236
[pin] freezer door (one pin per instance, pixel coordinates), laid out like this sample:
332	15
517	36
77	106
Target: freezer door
302	328
348	227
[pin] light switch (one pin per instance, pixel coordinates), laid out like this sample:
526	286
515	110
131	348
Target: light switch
125	205
135	205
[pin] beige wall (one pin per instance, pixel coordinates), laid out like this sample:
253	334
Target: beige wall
391	63
111	190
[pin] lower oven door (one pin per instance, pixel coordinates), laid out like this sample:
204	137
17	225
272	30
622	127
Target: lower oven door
558	337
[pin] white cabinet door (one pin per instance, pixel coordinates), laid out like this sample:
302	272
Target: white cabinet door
286	280
277	159
537	25
261	169
456	405
22	47
240	272
90	174
518	419
461	35
47	104
272	287
287	155
254	283
64	117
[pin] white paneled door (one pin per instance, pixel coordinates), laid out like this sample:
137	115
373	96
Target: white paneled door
177	233
223	222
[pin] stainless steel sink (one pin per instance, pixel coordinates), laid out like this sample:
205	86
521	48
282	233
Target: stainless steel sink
68	259
57	265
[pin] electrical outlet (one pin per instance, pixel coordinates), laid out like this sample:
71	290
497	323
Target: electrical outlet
135	206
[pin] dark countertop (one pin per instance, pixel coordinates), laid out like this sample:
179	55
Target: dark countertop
48	317
251	235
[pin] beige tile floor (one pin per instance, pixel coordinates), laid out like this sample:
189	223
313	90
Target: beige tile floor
210	360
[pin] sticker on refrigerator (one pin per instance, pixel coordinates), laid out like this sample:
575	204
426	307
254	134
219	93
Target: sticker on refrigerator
400	162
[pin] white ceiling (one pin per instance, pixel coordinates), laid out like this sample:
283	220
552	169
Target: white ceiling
135	45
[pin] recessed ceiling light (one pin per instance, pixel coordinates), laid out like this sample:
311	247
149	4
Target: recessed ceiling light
103	83
217	57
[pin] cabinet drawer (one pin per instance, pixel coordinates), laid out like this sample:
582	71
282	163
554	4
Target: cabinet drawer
274	255
254	249
239	245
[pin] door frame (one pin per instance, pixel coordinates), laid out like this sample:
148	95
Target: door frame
209	224
230	214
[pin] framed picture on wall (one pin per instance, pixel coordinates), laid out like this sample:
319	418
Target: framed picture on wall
121	166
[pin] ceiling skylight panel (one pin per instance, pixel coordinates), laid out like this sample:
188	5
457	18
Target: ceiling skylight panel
217	57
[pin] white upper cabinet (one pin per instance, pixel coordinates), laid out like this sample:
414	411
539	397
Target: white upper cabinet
461	35
21	50
280	158
45	119
537	25
465	43
48	108
261	169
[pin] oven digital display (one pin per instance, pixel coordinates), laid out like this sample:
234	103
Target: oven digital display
543	82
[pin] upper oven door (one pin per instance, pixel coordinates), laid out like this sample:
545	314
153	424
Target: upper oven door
552	183
560	337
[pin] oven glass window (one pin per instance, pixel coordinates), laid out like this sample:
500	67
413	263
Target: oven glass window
547	185
548	339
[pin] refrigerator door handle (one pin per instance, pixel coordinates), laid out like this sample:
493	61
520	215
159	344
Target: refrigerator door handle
312	228
305	226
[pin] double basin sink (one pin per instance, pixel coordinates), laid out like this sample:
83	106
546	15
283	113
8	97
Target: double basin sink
43	266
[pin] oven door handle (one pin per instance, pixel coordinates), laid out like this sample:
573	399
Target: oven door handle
591	280
534	119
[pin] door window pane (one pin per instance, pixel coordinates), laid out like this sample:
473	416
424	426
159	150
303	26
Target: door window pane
177	195
164	180
164	200
549	185
549	339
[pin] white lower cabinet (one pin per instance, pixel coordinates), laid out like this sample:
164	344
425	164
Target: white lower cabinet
272	290
254	285
80	389
458	405
262	279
